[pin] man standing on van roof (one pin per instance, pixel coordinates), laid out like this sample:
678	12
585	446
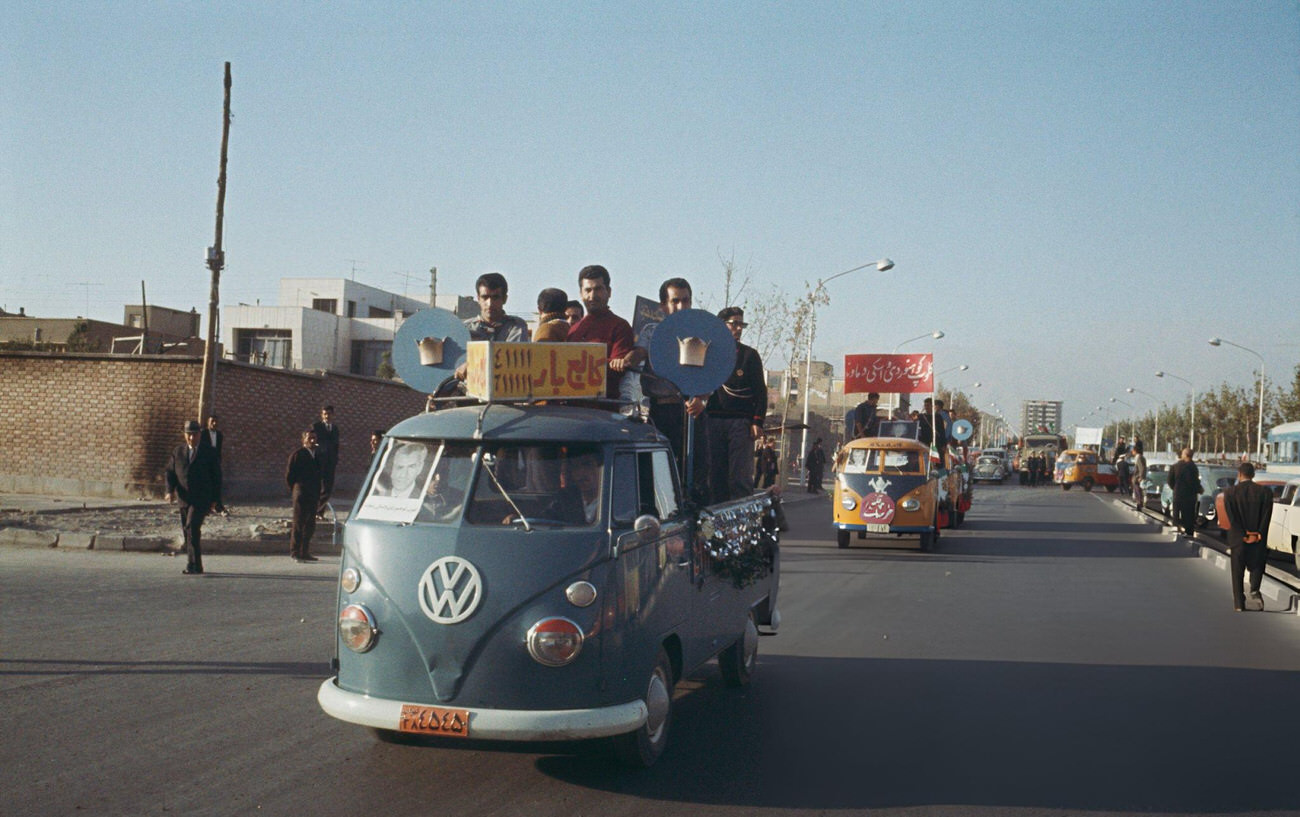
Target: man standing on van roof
866	423
669	408
602	326
492	322
736	411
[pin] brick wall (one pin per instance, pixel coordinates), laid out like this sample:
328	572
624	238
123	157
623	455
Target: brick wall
104	425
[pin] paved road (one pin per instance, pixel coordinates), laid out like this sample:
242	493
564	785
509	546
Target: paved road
1054	656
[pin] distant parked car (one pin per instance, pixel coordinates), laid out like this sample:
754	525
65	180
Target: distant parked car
1284	527
1213	479
989	469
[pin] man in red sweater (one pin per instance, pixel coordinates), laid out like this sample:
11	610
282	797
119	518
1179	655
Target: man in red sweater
602	326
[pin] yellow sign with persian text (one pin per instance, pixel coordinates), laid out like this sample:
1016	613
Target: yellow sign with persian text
497	370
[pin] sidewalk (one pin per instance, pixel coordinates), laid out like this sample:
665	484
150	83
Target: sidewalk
1279	585
151	525
259	527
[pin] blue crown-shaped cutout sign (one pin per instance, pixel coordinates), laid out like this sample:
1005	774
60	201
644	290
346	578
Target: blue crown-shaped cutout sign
694	350
444	339
962	429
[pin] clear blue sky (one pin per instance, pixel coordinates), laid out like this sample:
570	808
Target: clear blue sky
1077	194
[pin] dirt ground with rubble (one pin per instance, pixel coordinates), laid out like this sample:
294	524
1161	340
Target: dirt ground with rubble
156	519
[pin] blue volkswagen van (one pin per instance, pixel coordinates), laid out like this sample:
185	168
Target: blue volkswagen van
531	571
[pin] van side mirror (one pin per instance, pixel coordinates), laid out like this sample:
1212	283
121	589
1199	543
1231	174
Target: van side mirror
646	527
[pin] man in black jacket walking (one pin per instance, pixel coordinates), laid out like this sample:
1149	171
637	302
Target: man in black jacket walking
194	480
1250	508
735	415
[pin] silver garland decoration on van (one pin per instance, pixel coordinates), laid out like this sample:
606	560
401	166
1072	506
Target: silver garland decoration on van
740	540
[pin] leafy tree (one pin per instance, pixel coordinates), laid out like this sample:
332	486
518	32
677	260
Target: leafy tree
79	340
1286	406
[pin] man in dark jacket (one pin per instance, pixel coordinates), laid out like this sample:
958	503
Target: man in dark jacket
304	476
194	480
327	438
1185	480
815	464
1250	508
735	414
866	423
215	438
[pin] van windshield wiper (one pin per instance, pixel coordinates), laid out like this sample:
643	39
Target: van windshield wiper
489	462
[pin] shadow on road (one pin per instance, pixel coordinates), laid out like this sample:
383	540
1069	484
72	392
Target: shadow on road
823	733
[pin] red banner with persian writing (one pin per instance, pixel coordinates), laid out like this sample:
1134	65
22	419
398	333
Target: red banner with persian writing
889	374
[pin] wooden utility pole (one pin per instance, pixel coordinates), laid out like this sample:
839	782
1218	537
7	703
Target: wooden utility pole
216	261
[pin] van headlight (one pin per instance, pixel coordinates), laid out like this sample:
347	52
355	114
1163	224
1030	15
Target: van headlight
357	628
554	641
350	579
847	502
912	504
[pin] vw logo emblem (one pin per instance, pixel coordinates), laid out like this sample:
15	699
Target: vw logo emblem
450	590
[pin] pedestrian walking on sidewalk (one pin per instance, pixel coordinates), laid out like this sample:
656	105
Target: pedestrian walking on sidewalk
304	476
1249	507
194	480
1139	474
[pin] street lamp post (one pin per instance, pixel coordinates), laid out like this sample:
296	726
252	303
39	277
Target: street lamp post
882	265
936	334
1132	422
1191	404
1155	442
1259	432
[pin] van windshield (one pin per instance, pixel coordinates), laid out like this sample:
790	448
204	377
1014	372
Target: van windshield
547	484
876	461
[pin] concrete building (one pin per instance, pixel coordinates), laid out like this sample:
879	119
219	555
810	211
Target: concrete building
23	331
325	324
162	320
1040	414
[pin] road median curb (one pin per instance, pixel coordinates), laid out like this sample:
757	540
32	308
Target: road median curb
25	538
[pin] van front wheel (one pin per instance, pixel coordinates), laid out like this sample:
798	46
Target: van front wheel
640	749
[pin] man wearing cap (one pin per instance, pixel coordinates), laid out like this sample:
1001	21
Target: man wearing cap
735	413
194	480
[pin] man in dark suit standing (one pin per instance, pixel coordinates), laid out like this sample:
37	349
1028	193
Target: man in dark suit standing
1250	508
194	480
327	454
304	476
1185	480
214	438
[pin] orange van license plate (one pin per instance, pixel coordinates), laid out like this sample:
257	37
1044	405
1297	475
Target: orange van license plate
434	720
876	527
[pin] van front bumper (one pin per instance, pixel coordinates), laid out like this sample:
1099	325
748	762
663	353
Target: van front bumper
491	724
